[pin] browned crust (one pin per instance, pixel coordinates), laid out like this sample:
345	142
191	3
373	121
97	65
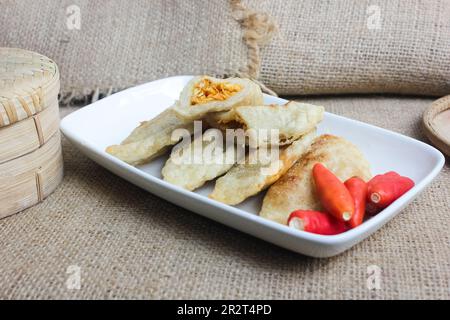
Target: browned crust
295	190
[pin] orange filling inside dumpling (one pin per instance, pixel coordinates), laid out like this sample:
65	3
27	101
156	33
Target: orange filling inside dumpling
207	91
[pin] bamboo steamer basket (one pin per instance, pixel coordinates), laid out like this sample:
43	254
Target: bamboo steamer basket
436	124
28	180
31	164
28	135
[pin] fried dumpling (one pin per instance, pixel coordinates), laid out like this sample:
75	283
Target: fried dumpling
295	190
223	120
204	94
151	138
247	179
193	164
291	120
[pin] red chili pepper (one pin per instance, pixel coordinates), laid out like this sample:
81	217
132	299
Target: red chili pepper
372	209
316	222
386	188
333	194
358	190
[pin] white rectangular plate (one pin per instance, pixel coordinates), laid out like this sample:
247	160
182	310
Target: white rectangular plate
110	120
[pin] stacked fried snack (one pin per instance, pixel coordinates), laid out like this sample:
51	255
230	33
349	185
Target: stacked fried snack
284	132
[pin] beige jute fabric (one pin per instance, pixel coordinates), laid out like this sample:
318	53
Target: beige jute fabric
116	44
358	46
343	46
131	244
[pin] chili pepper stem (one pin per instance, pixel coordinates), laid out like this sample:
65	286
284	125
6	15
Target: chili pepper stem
297	223
346	216
375	197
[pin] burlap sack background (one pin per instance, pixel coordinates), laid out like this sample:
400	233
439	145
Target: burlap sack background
322	46
124	43
131	244
335	47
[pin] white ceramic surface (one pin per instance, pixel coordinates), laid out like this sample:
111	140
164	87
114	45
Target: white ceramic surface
110	120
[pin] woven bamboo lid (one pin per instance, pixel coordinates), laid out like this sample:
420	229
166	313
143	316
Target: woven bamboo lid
436	124
29	83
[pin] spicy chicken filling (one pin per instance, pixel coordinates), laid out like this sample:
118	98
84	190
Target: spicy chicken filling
207	91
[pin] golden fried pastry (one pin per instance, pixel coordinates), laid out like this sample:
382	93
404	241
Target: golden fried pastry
191	165
295	190
247	179
291	120
223	120
151	138
205	94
